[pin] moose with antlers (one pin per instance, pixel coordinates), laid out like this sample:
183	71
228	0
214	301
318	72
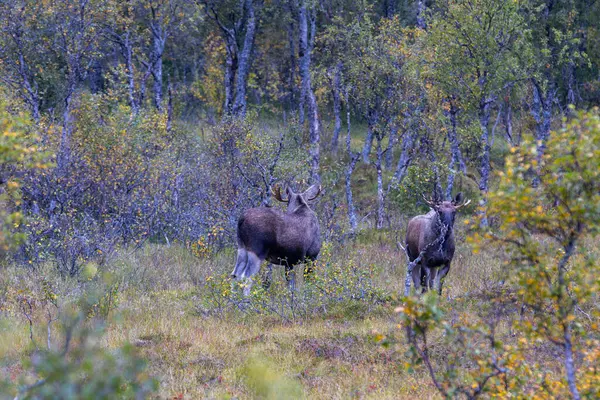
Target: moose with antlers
431	237
287	239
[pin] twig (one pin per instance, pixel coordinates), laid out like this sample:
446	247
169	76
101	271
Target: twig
26	389
583	312
49	327
29	315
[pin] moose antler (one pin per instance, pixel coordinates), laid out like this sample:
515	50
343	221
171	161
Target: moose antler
316	195
463	204
429	202
277	194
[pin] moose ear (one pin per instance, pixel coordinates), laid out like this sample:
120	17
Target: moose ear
288	191
312	192
459	198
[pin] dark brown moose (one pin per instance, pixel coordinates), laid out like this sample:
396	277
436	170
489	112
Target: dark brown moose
286	239
431	236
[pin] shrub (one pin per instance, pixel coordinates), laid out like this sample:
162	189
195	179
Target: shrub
81	368
267	382
328	284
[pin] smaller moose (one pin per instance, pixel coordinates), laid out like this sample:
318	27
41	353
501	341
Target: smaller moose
287	239
431	236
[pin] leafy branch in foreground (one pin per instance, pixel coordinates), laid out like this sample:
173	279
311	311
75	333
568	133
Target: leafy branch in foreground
18	149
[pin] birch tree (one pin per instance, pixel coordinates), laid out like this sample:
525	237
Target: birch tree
476	49
307	16
21	63
237	23
75	30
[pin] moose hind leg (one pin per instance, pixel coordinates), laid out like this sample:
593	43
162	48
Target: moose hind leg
441	274
267	276
432	278
240	263
416	277
425	273
252	267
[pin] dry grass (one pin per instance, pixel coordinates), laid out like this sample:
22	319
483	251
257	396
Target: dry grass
326	355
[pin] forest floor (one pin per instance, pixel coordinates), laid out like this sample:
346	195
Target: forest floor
198	350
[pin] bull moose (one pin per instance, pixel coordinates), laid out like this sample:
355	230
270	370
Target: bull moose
286	239
431	236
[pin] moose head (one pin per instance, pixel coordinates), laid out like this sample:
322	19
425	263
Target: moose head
446	210
296	200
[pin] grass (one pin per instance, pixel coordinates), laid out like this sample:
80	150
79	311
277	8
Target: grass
331	354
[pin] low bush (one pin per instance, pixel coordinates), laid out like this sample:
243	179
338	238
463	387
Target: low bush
325	285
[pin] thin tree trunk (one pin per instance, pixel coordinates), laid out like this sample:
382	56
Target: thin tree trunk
565	309
305	50
302	103
380	194
571	84
314	140
142	91
351	212
484	169
229	78
232	56
438	193
337	106
450	182
245	61
368	144
169	107
389	152
348	131
292	48
569	363
64	151
456	161
405	158
541	110
508	125
158	47
128	55
304	60
31	94
421	14
455	144
372	120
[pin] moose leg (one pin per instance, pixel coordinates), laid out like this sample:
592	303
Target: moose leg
442	272
290	277
434	279
240	263
425	273
252	268
416	276
425	277
267	276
